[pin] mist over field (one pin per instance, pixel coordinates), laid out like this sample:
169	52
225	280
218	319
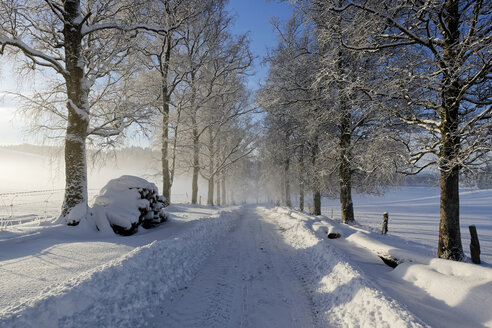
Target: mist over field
31	168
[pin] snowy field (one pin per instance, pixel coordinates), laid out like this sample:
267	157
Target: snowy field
31	185
414	215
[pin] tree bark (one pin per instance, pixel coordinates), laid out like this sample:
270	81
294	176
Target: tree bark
211	163
217	201
166	99
288	202
316	202
301	180
224	200
449	245
301	196
345	172
78	119
196	166
281	190
210	195
196	144
316	188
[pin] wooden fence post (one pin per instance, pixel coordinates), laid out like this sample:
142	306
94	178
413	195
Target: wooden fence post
474	244
384	229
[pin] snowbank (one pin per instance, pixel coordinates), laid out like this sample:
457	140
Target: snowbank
463	288
127	291
342	293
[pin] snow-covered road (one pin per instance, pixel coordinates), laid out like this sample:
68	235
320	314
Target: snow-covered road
249	266
248	282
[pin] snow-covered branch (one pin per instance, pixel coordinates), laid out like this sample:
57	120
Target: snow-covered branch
37	56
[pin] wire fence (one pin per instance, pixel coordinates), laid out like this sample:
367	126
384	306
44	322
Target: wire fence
41	205
27	206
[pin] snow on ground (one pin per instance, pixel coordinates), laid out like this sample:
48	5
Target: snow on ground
252	266
442	293
414	215
62	276
248	267
248	282
340	291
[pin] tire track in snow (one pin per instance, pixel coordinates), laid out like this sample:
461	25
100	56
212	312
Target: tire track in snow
248	282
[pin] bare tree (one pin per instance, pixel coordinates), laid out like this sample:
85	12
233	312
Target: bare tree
79	41
161	55
287	97
228	140
435	75
211	55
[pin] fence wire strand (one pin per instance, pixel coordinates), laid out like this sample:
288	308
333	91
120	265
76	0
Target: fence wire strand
41	205
28	206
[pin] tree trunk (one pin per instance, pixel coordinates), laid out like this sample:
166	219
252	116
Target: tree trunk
345	172
174	148
74	206
449	245
316	188
281	190
301	196
211	163
166	99
210	195
288	203
301	180
218	202
316	202
166	179
196	166
224	200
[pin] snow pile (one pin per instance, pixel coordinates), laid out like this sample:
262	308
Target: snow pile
462	286
127	202
465	287
340	291
428	286
125	292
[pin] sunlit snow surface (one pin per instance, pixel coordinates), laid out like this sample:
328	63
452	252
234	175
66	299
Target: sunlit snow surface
63	271
414	215
249	266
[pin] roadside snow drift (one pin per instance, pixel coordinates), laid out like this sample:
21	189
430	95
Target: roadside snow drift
127	291
352	278
342	293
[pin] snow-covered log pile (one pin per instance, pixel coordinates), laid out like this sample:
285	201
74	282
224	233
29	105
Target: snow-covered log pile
126	203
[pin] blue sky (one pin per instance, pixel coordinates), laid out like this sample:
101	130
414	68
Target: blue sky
253	16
